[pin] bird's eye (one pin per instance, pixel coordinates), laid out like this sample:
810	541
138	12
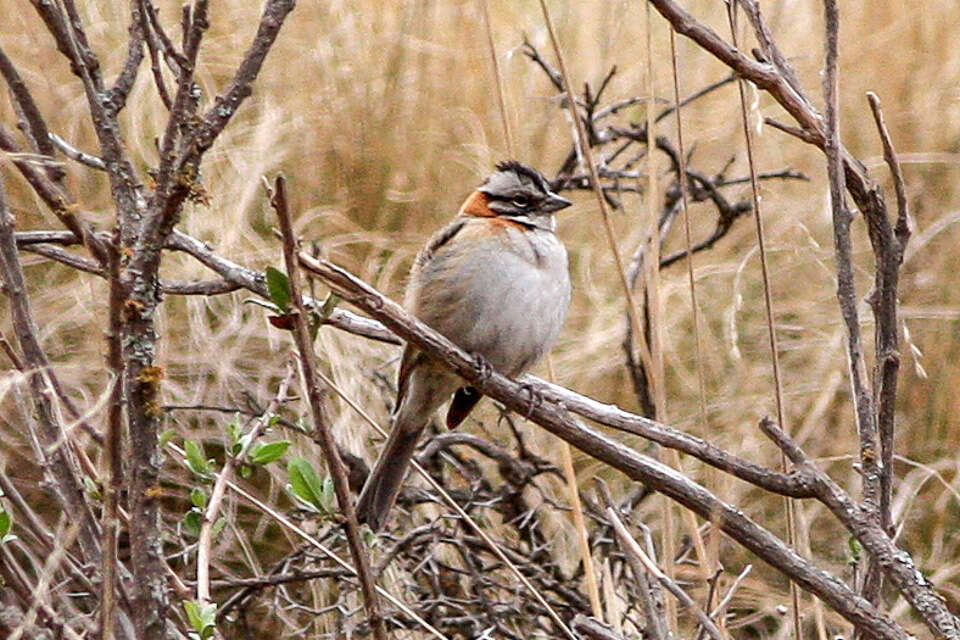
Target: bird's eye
521	201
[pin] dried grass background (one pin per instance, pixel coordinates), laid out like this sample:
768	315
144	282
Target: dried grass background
383	117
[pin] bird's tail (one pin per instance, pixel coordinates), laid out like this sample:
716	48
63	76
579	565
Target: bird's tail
383	485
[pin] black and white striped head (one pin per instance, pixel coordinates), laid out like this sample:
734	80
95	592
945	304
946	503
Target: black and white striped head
521	194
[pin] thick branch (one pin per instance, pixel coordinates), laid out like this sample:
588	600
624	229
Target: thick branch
652	473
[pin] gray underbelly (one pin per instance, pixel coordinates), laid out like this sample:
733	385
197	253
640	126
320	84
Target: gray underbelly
500	305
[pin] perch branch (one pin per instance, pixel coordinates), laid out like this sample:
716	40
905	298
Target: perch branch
659	477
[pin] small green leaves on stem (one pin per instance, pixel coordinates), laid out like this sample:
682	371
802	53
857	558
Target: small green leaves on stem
193	520
6	524
202	617
268	452
856	552
197	459
305	486
234	435
278	286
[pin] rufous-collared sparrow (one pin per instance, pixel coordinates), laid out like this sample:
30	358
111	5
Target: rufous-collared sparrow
495	282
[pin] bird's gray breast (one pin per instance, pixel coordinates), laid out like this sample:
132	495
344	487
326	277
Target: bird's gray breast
504	296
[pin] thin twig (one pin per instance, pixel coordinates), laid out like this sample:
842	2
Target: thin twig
708	559
789	505
495	66
651	592
73	153
584	146
635	551
720	610
212	512
32	123
847	295
888	360
317	392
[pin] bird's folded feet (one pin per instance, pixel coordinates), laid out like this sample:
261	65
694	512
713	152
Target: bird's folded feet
482	366
536	398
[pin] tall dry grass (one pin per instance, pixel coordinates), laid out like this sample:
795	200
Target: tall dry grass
383	116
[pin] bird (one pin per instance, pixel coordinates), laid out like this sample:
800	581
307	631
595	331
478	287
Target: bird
495	281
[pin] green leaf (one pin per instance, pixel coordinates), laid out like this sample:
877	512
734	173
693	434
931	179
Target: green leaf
202	616
268	452
198	497
166	437
192	609
219	525
278	285
192	522
197	459
246	471
856	551
234	432
305	483
5	522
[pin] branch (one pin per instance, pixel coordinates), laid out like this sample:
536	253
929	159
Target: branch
255	282
117	95
847	298
768	78
556	419
897	564
318	393
173	287
52	194
884	303
226	104
637	556
32	124
75	154
235	276
212	512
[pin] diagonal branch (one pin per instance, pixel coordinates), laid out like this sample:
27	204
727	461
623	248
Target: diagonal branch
50	192
556	419
32	124
118	93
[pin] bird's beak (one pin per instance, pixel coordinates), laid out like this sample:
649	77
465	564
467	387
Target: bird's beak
554	203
